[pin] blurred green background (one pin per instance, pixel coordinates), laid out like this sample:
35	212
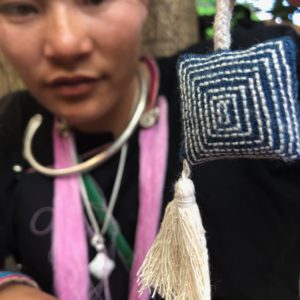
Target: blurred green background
269	11
278	10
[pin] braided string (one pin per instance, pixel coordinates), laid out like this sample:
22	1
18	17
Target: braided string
222	36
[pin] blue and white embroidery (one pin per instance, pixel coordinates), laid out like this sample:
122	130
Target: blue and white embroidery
241	103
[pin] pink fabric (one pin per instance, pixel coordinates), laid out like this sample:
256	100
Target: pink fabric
153	161
69	247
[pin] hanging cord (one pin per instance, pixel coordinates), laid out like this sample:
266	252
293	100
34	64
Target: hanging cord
97	240
112	202
89	210
116	189
113	231
222	35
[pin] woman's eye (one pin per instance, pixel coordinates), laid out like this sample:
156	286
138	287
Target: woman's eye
19	11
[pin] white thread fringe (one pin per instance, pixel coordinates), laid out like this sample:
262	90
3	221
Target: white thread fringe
176	266
222	35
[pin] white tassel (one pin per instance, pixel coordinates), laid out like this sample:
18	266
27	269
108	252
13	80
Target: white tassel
176	266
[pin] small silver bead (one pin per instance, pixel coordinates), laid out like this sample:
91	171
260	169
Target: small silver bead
17	168
150	118
98	242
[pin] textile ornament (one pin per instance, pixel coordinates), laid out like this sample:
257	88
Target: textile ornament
241	104
235	104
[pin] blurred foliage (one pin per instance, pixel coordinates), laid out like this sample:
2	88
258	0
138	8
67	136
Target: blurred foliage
283	10
244	12
206	11
206	7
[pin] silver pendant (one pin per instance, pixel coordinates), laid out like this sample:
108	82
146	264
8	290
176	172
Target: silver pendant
101	266
150	118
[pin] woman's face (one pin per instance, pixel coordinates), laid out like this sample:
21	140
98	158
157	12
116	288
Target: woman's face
77	57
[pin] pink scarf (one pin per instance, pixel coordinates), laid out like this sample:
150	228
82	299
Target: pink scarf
69	245
153	162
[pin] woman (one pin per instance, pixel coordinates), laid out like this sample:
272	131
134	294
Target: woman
80	61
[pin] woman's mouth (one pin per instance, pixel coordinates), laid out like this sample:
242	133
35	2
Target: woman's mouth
75	86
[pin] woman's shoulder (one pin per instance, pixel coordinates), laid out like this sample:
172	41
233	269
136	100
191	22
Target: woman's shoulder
11	116
18	104
10	131
15	111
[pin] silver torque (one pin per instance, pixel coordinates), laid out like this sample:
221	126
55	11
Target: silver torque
36	121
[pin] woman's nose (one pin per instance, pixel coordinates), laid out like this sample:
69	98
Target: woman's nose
66	36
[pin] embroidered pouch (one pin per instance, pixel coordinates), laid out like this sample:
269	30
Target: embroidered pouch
241	104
